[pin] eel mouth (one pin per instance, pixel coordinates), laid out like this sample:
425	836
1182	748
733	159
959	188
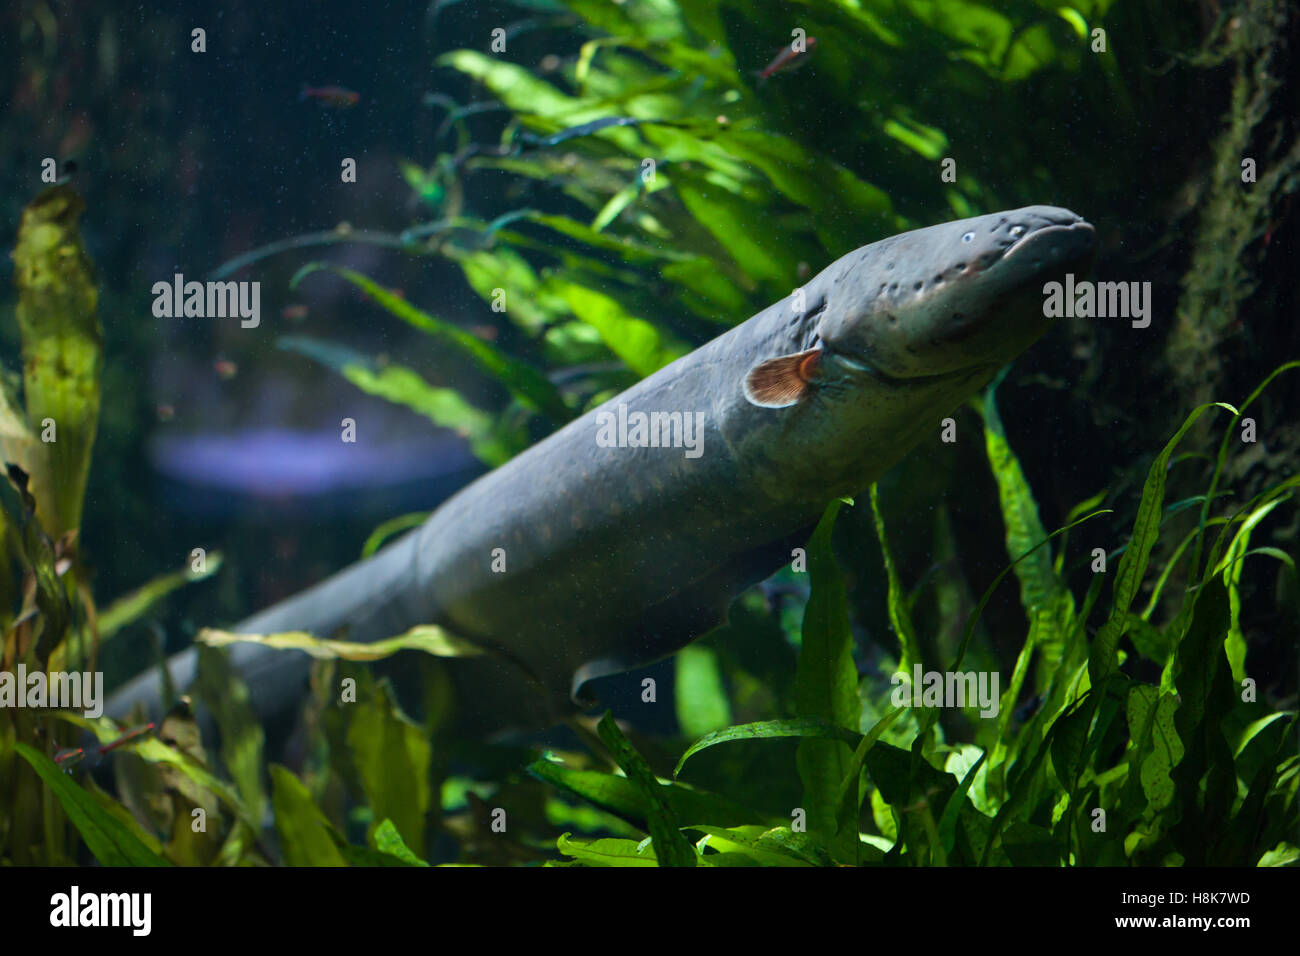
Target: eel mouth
1059	244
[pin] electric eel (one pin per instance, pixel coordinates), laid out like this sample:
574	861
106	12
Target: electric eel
595	551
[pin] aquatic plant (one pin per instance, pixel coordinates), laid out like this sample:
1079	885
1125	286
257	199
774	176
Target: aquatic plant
48	615
646	155
665	183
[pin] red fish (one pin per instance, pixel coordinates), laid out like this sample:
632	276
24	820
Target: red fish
125	738
789	58
69	757
336	96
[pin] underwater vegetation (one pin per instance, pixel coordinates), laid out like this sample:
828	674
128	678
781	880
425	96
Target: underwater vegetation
659	170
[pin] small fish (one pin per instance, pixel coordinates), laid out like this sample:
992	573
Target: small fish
225	369
69	757
337	97
126	738
166	413
294	313
788	59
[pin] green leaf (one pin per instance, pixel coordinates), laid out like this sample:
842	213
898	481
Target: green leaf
623	798
154	751
1133	565
617	203
108	838
242	737
671	846
1284	854
729	218
428	638
1231	567
609	851
305	835
523	293
847	809
1026	775
520	90
393	758
953	809
1156	747
525	383
1048	604
927	141
638	343
712	295
1069	745
796	727
826	686
900	617
701	698
36	551
63	352
1203	680
391	527
403	386
1254	729
766	847
1030	845
1149	640
131	607
366	856
388	840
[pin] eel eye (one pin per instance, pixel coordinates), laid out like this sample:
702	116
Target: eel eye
1017	231
968	237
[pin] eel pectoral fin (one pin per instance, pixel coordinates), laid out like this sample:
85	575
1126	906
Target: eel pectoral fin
784	381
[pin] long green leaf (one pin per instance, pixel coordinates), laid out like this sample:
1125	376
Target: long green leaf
108	838
671	846
131	607
392	757
621	797
528	385
428	638
900	617
826	686
763	729
63	352
1133	565
404	386
305	834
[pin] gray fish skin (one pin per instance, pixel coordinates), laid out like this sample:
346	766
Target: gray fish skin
618	556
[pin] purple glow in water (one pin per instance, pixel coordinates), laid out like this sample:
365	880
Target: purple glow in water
275	462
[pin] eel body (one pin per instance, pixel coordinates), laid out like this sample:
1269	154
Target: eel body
594	552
